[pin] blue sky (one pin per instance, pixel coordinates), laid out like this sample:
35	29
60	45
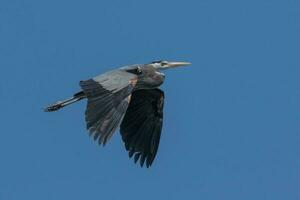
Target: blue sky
231	127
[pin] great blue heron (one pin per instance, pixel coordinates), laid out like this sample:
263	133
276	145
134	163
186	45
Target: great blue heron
129	97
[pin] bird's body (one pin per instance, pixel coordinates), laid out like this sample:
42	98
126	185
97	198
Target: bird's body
128	97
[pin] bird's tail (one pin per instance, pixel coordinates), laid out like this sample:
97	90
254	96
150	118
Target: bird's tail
60	104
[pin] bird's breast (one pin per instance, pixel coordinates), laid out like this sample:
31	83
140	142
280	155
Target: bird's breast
150	82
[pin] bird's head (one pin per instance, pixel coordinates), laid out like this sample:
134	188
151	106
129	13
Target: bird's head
162	64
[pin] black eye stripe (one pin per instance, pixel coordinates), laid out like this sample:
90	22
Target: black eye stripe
157	61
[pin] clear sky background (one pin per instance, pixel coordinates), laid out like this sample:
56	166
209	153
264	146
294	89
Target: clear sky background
232	119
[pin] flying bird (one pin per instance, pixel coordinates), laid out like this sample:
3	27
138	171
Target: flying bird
128	97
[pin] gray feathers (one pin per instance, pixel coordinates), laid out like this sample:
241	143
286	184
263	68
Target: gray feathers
128	96
108	98
112	100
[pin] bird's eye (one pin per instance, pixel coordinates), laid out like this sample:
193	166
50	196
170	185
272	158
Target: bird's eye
163	63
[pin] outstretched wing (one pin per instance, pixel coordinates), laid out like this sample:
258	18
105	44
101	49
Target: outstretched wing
108	98
142	124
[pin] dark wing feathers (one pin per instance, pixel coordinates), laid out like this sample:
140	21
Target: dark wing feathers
142	125
108	98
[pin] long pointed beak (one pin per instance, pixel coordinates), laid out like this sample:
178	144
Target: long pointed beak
175	64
